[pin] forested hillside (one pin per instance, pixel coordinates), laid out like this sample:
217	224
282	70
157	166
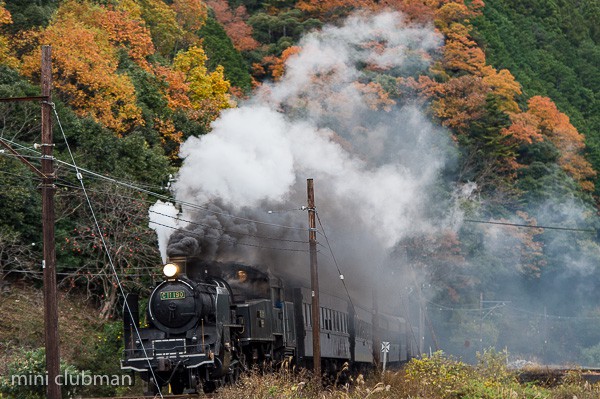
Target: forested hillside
515	85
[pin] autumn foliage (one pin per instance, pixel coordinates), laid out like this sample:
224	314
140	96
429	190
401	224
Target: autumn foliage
557	128
234	23
85	73
207	91
5	56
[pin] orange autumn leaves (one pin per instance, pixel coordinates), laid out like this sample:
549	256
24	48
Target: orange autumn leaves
6	58
463	83
88	41
556	127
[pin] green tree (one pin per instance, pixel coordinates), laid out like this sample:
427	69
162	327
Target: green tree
220	51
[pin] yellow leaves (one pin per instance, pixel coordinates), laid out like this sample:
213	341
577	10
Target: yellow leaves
191	61
5	17
168	135
504	85
203	86
191	87
122	28
450	13
461	53
6	58
190	14
131	7
162	21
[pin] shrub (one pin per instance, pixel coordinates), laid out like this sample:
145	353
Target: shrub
26	376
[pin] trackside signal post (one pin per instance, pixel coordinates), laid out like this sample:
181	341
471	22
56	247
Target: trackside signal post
49	262
314	278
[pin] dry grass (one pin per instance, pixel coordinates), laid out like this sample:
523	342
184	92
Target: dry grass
22	326
438	377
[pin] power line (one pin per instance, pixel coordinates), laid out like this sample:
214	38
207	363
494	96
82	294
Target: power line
225	230
183	203
105	245
530	226
137	187
335	261
230	240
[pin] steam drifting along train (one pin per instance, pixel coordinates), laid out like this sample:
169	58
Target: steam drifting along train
209	321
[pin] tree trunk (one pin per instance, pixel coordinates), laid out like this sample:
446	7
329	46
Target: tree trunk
110	300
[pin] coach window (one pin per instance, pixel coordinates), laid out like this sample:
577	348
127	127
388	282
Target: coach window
307	314
335	321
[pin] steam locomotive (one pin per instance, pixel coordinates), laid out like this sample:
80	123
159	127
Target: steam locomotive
208	321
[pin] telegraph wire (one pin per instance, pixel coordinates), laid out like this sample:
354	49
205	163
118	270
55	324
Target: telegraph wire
137	187
183	203
530	226
224	230
233	241
509	307
335	261
105	245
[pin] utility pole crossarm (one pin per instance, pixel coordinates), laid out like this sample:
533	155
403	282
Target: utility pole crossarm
20	158
30	98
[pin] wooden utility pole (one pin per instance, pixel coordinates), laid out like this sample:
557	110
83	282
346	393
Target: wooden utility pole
314	279
49	262
376	330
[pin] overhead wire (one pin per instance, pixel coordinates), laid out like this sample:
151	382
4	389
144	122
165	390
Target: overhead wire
139	187
105	245
227	231
224	230
530	226
233	241
136	186
334	260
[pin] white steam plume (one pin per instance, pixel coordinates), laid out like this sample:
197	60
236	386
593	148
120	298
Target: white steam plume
374	162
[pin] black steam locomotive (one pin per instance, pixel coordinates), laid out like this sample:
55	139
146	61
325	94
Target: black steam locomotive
208	321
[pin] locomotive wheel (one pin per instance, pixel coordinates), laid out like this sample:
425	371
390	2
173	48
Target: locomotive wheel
209	386
234	374
177	386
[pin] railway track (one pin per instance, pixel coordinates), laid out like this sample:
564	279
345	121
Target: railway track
189	396
551	376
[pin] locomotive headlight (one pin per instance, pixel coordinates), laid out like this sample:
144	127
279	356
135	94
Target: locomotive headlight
170	270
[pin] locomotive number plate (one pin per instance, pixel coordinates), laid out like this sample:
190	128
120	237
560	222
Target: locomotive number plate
172	295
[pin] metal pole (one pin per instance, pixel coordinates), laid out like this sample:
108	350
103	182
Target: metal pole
314	279
49	261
